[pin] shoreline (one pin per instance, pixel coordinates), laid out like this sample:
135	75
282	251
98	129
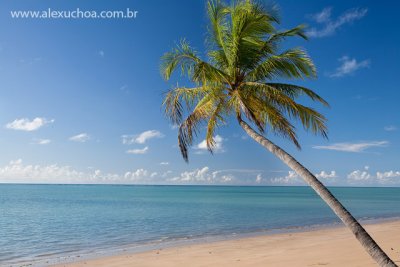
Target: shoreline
180	249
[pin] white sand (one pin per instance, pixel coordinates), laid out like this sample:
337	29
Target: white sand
325	247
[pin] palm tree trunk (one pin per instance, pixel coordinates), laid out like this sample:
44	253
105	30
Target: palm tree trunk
363	237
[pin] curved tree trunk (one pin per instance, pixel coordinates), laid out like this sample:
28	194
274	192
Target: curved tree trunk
363	237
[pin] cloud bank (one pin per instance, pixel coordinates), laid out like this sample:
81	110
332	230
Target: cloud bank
18	172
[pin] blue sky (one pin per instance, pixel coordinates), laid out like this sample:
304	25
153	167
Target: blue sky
80	99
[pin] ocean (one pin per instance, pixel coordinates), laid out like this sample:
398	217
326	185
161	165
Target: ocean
44	224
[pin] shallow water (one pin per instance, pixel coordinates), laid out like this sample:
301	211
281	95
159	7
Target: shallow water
49	221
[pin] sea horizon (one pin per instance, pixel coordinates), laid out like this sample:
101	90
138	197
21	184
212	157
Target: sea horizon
204	185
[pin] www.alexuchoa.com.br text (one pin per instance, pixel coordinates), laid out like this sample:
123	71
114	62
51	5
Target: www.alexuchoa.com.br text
74	14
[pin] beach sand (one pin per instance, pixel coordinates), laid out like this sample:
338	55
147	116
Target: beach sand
324	247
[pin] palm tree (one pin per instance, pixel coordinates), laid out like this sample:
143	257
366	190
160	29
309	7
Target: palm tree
239	80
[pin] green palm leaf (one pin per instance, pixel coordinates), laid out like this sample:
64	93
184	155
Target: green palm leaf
239	77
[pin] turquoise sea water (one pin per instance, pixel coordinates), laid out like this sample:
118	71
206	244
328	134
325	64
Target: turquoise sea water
40	222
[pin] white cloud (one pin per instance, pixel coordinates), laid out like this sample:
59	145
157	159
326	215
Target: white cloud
353	147
164	163
218	146
28	125
226	178
141	138
17	172
259	178
135	176
198	175
329	25
41	141
362	176
326	175
202	176
388	177
388	174
101	53
390	128
291	178
349	66
359	175
383	178
323	16
241	171
138	151
81	138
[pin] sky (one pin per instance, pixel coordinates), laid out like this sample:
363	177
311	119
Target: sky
81	99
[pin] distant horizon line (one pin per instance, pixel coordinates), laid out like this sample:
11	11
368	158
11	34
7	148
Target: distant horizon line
194	185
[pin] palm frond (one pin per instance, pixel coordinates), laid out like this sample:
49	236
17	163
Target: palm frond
271	44
207	108
250	23
185	57
216	119
218	31
295	91
309	118
176	99
280	125
279	36
265	113
250	107
293	63
187	130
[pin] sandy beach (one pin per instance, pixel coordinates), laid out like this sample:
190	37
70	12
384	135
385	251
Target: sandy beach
322	247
